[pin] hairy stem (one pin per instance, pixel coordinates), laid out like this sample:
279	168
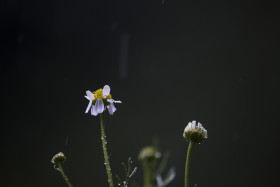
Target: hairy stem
63	175
188	163
107	163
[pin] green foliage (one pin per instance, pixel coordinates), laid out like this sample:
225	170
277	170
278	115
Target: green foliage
128	173
153	163
162	182
153	167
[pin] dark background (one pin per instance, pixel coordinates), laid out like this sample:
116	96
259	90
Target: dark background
168	62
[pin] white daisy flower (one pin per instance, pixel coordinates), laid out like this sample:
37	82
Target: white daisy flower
195	132
100	100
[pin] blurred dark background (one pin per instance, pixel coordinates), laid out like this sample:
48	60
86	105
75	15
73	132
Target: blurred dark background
169	62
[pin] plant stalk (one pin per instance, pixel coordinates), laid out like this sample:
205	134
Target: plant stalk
148	174
188	163
107	163
63	175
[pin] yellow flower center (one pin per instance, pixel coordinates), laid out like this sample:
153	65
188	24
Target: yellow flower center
99	95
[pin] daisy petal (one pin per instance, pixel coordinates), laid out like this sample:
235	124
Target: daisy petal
199	126
193	125
99	106
106	90
89	94
93	112
159	180
89	105
205	133
111	108
117	102
110	100
87	97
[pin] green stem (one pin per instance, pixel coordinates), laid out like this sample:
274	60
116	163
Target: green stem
188	163
63	175
149	173
107	163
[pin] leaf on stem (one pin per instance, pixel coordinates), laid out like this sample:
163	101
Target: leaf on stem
128	173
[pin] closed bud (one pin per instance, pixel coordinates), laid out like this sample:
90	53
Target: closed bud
149	153
58	158
195	132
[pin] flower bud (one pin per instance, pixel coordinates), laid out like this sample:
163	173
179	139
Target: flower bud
58	158
195	132
149	153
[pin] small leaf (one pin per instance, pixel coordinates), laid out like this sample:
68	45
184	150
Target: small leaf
124	168
129	162
120	182
128	175
163	163
133	172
